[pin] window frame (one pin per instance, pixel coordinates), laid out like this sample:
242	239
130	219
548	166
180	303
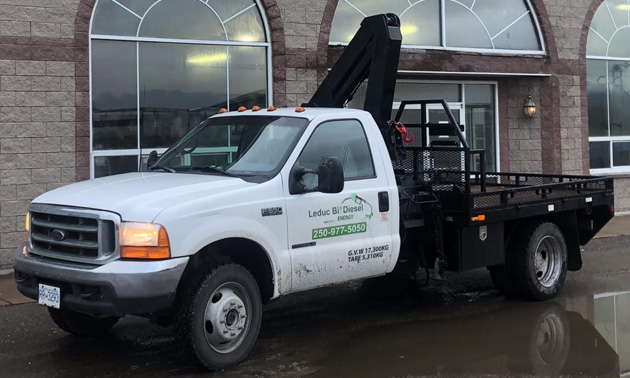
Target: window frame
611	140
444	46
367	140
140	152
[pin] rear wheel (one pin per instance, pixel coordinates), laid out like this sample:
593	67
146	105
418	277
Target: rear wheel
80	324
538	261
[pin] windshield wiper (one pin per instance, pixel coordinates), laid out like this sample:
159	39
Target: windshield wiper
153	168
213	170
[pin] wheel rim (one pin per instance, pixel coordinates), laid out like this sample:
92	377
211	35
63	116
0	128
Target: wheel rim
551	339
547	261
227	317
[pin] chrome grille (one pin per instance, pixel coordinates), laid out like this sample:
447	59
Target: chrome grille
73	234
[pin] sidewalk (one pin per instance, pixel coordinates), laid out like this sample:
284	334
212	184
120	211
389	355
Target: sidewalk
8	292
620	225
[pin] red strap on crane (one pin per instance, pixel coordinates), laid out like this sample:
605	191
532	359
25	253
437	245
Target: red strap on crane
407	136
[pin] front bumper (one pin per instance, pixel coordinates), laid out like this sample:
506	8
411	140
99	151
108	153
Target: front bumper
113	289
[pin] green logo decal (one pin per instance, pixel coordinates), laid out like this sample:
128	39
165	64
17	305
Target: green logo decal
350	209
360	201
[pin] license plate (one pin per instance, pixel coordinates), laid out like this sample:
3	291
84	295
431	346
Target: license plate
49	296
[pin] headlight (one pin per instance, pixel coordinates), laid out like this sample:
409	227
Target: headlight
143	241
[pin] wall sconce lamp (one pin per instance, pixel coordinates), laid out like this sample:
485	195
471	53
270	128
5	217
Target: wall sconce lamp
530	106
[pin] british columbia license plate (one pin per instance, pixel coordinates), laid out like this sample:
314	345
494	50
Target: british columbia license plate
49	296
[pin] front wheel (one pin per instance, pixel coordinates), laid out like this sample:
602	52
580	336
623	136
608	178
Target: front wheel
538	261
221	321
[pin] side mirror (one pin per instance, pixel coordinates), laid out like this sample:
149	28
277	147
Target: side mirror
152	159
329	177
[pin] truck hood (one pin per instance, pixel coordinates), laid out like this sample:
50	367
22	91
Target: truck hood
141	196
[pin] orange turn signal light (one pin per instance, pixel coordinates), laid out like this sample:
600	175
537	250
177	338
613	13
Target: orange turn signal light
271	108
242	109
299	109
223	110
255	108
479	218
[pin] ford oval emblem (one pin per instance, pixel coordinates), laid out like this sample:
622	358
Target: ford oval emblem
58	235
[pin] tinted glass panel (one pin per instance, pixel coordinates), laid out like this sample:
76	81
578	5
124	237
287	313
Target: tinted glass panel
499	14
520	36
180	86
480	123
420	25
139	7
621	154
113	165
603	24
619	98
464	29
596	84
246	27
248	77
619	11
372	7
184	19
112	19
343	139
114	101
619	46
345	24
595	45
600	154
226	9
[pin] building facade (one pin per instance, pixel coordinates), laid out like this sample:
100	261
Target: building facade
89	87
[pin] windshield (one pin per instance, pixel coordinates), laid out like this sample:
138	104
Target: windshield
243	146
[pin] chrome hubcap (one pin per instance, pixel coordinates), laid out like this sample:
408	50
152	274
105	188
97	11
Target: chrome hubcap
227	317
547	261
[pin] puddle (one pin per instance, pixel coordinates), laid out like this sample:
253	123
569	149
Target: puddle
542	339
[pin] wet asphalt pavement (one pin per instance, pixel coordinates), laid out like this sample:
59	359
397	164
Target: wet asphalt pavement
374	328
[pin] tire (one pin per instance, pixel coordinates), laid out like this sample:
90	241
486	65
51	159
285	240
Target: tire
80	324
537	261
220	321
502	280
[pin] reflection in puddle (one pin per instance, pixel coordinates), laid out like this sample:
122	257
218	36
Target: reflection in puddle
523	338
612	320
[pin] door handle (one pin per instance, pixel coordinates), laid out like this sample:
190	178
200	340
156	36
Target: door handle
383	202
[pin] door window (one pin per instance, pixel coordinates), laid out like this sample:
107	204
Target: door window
344	139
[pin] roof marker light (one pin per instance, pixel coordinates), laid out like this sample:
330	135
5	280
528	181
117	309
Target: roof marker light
255	108
299	109
223	110
242	109
271	108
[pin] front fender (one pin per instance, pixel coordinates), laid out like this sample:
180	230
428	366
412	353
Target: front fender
188	238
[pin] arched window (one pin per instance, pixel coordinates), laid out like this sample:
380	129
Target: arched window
608	85
495	25
159	67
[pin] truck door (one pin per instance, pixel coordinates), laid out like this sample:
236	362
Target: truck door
344	236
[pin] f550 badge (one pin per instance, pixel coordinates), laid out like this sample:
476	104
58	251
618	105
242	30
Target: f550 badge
270	211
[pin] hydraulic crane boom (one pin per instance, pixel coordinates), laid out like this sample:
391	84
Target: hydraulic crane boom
372	54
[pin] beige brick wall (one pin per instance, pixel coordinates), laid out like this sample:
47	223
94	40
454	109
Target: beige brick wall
302	20
571	125
37	129
30	18
525	145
